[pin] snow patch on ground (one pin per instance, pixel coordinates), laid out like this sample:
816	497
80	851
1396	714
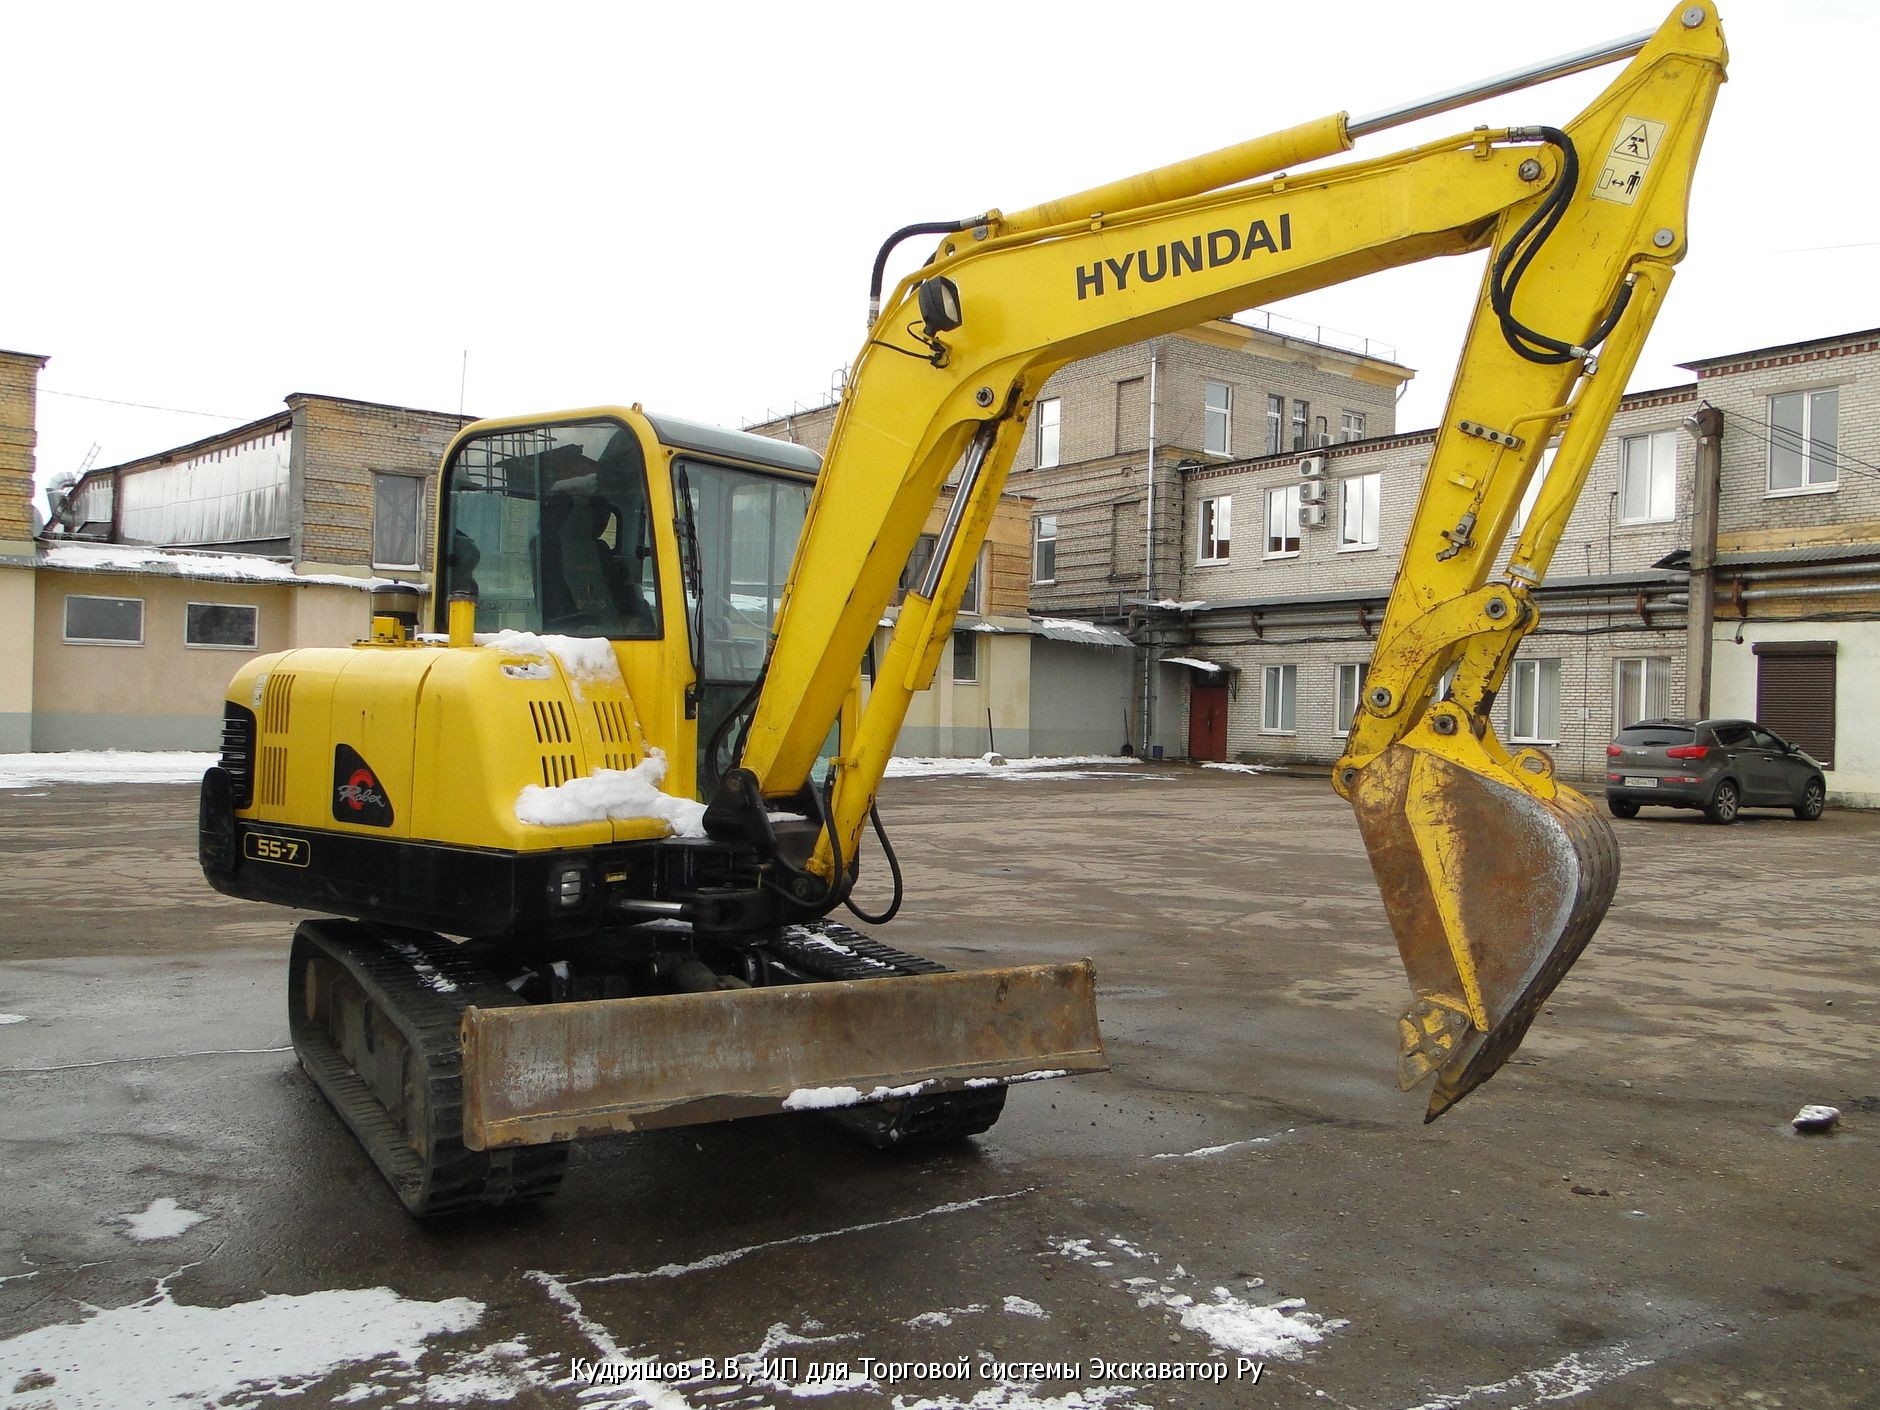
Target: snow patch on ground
1213	1150
613	793
824	1098
1012	768
1571	1376
162	1355
164	1219
6	1018
1025	1307
103	766
1242	768
1277	1331
1007	1396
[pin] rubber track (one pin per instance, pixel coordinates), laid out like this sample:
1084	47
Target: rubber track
442	1176
912	1121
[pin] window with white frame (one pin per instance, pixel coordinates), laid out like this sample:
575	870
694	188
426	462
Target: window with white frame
1350	687
1282	521
1275	424
1321	432
1641	689
1217	415
1351	425
1533	491
1360	496
1534	704
227	625
1279	699
1301	421
1648	478
1044	531
104	621
969	599
966	657
1216	538
1804	441
1049	413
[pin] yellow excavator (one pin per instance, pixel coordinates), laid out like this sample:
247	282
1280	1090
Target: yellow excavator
630	764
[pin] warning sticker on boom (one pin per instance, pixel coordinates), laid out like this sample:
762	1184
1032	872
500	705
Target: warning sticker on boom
1628	161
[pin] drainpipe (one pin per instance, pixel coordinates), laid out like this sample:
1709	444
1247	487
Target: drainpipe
1148	564
1706	424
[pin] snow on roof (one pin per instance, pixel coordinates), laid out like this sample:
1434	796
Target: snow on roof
168	562
1211	667
1070	629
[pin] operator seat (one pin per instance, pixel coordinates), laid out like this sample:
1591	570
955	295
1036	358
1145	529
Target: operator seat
585	586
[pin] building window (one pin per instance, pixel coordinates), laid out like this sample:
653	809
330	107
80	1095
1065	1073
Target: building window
1282	521
1275	425
395	501
1648	478
104	621
1044	548
1321	434
1132	414
1049	411
1278	699
969	599
1217	414
1804	441
1533	491
222	624
1350	684
1357	521
966	657
1301	419
1534	708
1641	689
1351	425
917	561
1217	529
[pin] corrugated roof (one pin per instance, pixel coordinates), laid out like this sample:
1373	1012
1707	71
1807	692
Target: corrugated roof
1801	553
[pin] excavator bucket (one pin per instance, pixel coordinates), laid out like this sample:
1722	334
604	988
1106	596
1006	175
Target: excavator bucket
1494	880
556	1071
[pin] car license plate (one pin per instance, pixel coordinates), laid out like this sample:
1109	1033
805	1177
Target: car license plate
1631	782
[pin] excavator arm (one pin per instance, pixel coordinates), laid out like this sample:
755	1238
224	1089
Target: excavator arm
1493	874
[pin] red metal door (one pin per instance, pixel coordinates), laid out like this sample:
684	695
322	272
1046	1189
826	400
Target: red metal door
1207	722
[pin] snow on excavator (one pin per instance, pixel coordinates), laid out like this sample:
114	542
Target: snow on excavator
630	764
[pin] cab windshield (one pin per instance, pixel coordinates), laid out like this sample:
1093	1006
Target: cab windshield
548	527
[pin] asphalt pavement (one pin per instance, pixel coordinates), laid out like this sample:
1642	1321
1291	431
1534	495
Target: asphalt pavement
1245	1211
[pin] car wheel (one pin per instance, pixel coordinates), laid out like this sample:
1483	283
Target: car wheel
1723	803
1814	799
1622	807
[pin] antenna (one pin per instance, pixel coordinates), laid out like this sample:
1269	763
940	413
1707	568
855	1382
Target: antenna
463	377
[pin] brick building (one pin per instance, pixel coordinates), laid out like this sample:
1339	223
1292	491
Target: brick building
1724	558
158	575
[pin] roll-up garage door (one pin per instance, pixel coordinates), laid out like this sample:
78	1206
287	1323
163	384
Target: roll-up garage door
1795	693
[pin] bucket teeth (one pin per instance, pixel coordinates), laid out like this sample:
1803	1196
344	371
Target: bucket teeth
1492	891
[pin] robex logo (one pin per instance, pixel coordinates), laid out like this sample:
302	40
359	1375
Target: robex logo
357	794
1177	257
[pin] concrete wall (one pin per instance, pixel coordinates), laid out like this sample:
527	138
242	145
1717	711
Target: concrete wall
1855	778
17	593
163	694
948	719
1080	698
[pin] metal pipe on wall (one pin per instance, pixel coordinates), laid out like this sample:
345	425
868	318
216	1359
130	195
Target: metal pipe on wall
1148	561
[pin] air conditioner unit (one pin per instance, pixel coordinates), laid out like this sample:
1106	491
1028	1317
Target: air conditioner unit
1311	466
1312	492
1312	515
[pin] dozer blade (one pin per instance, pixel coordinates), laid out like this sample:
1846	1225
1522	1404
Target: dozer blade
557	1071
1493	889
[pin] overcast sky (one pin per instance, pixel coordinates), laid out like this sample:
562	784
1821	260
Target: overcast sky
211	207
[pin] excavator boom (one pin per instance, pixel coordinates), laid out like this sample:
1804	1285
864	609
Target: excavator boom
1493	874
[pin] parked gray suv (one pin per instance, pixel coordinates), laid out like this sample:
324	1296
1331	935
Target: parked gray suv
1720	766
